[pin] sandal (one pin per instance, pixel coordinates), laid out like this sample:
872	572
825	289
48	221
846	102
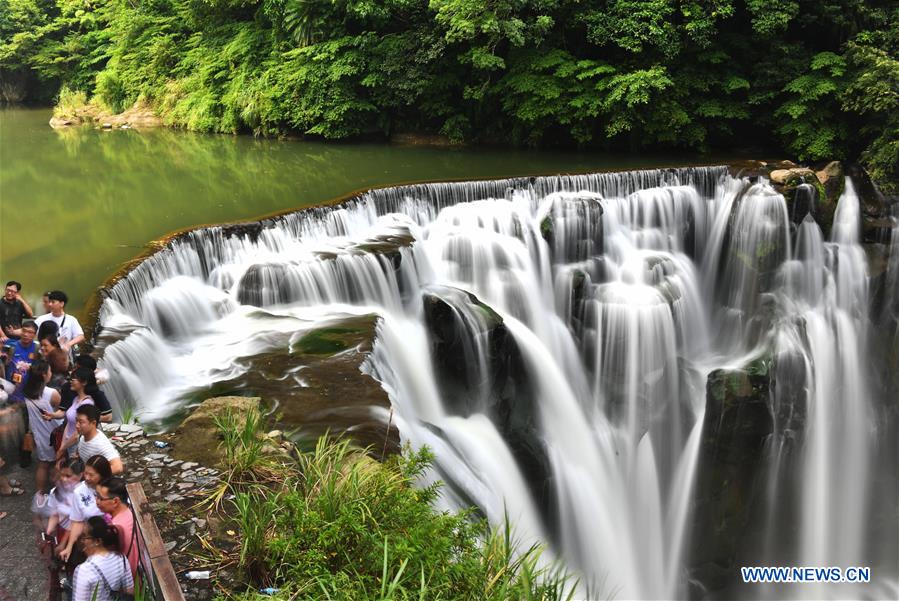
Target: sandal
3	514
14	483
14	491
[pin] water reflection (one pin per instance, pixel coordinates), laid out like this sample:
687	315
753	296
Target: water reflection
76	203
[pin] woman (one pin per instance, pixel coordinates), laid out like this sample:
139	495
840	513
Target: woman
48	328
41	400
61	498
84	501
58	360
105	571
81	379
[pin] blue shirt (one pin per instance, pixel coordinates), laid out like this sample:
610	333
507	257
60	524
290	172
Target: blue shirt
20	354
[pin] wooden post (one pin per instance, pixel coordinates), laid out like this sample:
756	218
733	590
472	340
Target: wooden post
160	565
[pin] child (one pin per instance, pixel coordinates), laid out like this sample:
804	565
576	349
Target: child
61	499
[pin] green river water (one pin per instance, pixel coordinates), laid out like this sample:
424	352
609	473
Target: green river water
77	203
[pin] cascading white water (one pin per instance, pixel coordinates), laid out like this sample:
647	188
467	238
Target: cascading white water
608	299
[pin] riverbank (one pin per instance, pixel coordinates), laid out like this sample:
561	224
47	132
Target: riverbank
77	112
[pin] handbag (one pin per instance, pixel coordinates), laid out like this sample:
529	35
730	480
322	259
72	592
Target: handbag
25	451
57	435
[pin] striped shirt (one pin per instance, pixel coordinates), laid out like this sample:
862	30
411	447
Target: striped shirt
87	579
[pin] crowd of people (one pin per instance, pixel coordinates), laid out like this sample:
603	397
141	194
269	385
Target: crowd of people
51	407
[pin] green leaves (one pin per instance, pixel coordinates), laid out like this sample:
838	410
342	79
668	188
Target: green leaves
771	17
634	25
810	123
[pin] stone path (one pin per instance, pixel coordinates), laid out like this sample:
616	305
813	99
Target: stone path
23	571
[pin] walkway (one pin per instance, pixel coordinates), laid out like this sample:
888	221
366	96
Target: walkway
23	572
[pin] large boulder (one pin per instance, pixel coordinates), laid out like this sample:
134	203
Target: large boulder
793	176
727	502
806	195
833	170
197	439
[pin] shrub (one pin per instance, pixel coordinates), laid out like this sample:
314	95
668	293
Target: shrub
68	101
111	92
340	525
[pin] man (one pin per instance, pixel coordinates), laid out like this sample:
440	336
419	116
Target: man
112	498
100	399
22	353
92	441
70	332
13	309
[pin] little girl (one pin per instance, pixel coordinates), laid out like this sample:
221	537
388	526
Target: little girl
61	500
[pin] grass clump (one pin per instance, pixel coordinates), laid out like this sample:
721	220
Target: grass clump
336	524
68	102
249	459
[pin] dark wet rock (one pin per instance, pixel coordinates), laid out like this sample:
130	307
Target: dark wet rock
806	195
579	287
459	326
736	425
547	230
479	368
873	202
573	228
878	218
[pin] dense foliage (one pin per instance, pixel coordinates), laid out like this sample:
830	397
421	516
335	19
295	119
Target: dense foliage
819	77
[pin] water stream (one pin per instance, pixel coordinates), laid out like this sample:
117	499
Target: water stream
551	340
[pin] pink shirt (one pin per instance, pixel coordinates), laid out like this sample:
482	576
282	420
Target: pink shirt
124	521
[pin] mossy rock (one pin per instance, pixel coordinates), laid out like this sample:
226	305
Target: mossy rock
547	229
197	439
327	341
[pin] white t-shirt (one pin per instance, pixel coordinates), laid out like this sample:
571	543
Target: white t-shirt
59	501
98	445
69	327
116	576
84	503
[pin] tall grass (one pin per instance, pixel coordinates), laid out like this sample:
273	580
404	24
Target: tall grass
68	101
336	524
245	457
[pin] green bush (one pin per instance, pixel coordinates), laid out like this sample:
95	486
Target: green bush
67	101
110	91
343	526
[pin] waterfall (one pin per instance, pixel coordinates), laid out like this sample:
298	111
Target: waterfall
555	341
